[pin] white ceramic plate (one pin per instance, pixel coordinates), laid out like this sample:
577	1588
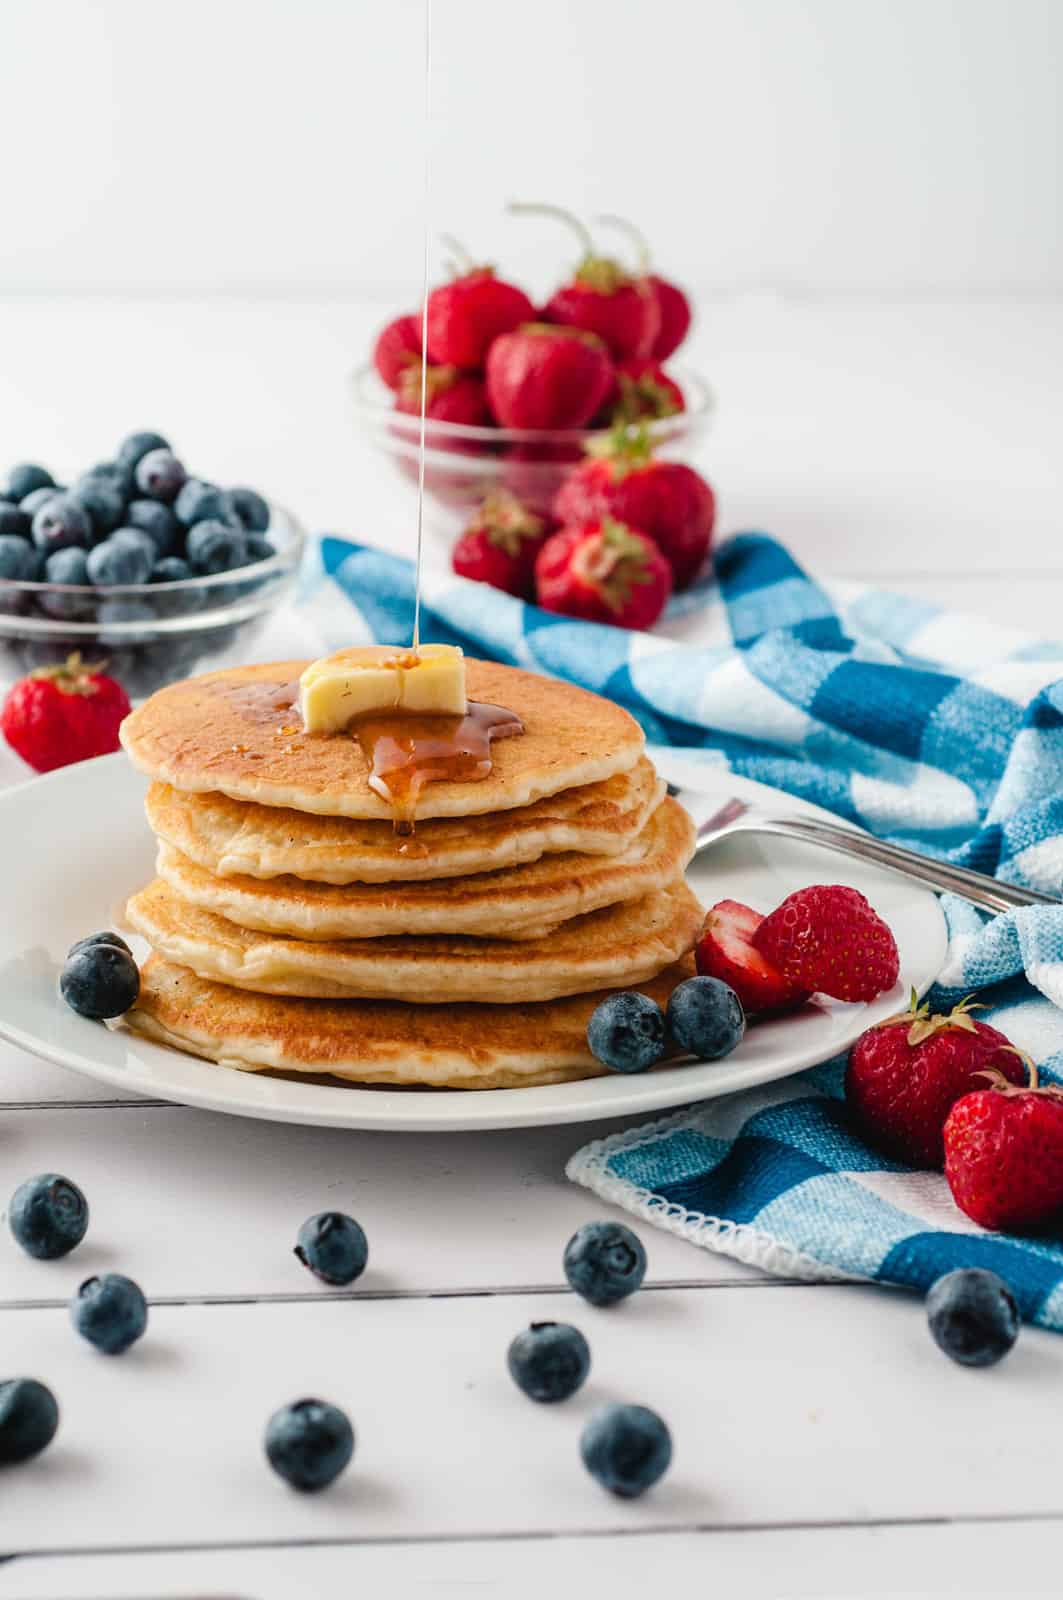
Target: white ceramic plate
74	844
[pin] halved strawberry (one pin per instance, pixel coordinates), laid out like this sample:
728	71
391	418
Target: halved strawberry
725	950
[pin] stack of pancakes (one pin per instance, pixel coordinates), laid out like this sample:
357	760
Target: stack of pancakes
293	930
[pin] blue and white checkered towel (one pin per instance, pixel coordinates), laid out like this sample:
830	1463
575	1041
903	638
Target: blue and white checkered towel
940	731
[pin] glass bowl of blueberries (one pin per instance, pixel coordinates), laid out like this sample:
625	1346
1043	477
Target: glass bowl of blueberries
138	563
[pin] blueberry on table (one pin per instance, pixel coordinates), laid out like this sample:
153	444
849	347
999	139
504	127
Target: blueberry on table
14	521
99	980
973	1317
159	475
626	1032
60	522
110	1312
25	479
20	562
48	1216
132	450
102	503
213	547
549	1361
157	521
627	1448
705	1017
250	507
120	561
37	498
203	502
309	1443
333	1246
604	1262
29	1417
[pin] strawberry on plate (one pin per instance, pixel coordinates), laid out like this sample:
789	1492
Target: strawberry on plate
725	950
58	715
500	544
1004	1152
905	1074
603	571
828	939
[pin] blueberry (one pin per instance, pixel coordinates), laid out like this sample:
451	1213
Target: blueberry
25	478
119	561
202	502
973	1316
309	1443
110	1312
48	1216
604	1262
132	450
333	1247
19	561
250	508
159	475
705	1017
102	503
105	937
118	476
61	522
626	1032
158	522
99	980
68	567
212	547
14	522
120	614
171	569
259	549
29	1417
549	1360
627	1448
33	502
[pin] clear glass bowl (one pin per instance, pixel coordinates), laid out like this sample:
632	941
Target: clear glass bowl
463	463
151	633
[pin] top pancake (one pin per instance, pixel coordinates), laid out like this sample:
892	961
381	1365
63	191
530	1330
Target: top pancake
239	733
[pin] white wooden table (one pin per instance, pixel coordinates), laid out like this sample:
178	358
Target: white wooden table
823	1446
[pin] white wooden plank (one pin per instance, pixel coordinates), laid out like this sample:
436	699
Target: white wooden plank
27	1080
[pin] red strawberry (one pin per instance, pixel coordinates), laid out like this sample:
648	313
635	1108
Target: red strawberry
544	377
398	346
451	396
664	499
644	391
62	714
601	297
603	571
829	940
500	545
905	1075
725	950
535	472
465	315
1004	1153
674	309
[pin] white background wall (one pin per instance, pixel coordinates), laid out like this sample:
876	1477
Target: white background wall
275	145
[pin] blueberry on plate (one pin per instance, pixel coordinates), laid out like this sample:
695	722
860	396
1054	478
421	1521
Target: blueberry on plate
37	498
29	1417
106	936
99	980
626	1032
259	549
25	479
133	449
705	1017
158	522
14	522
20	562
309	1443
973	1317
627	1448
102	503
60	522
549	1361
604	1262
213	547
333	1246
159	475
250	507
48	1216
120	561
110	1312
67	566
204	502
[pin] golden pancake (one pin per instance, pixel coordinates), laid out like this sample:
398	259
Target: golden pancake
233	838
376	1041
239	733
612	948
516	903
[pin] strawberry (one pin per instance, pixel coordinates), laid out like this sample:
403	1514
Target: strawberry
544	377
451	396
674	309
500	545
603	571
905	1074
470	311
398	346
664	499
1004	1153
644	391
601	297
725	950
535	472
829	940
62	714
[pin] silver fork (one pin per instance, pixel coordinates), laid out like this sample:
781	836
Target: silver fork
738	816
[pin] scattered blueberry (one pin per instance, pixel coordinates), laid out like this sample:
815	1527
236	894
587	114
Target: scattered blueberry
705	1017
29	1417
627	1448
132	450
104	937
213	547
159	475
110	1312
102	504
33	502
309	1443
250	508
626	1032
549	1361
118	561
202	502
973	1316
60	522
48	1216
171	569
67	566
157	521
333	1247
99	980
14	522
19	561
25	478
259	549
604	1262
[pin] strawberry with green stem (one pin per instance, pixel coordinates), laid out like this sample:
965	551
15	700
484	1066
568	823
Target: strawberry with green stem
1004	1150
672	304
603	571
500	545
467	314
540	377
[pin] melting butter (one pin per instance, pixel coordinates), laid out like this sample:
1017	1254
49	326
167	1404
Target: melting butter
372	679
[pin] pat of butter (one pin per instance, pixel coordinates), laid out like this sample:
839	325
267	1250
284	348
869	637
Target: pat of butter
374	678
